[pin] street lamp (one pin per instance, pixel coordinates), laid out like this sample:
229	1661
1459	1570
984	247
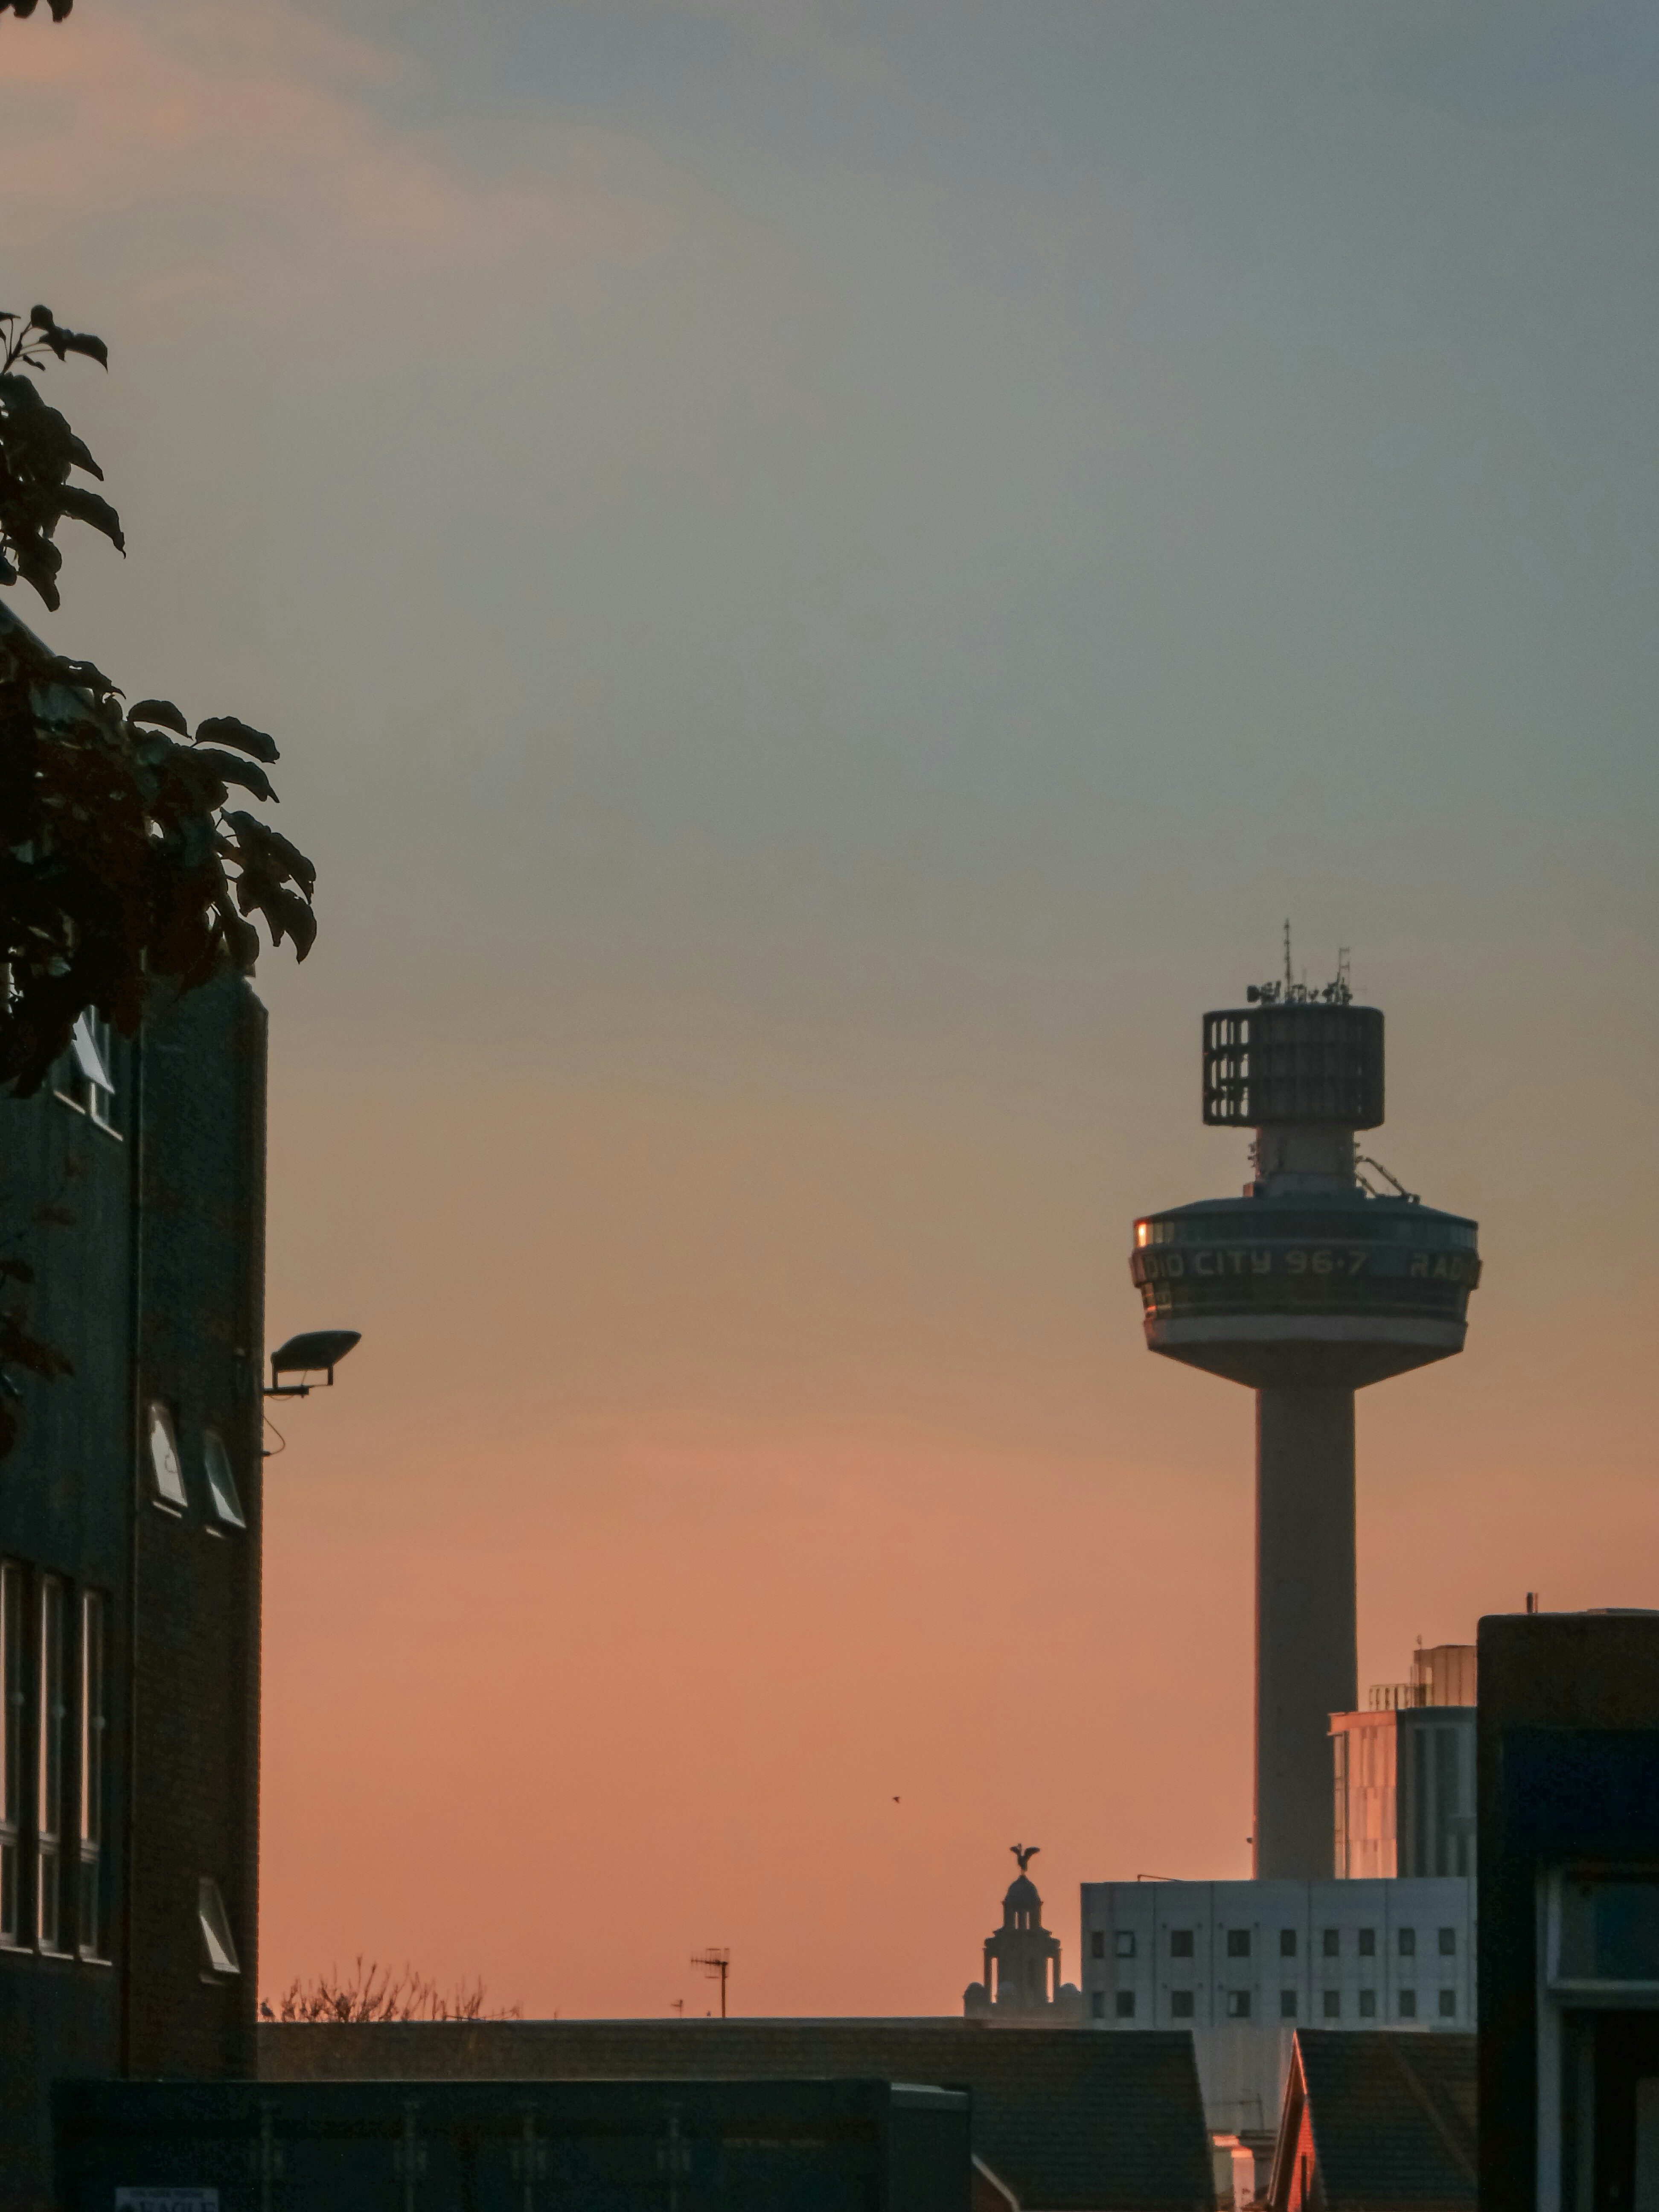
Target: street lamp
318	1349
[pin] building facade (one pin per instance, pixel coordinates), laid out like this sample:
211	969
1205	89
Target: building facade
1404	1774
133	1185
1243	1964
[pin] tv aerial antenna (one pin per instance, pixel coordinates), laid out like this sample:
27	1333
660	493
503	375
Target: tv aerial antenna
716	1964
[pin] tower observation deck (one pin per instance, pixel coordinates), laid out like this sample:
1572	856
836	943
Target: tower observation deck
1307	1288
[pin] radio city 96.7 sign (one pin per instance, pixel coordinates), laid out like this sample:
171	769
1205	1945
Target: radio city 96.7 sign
1207	1263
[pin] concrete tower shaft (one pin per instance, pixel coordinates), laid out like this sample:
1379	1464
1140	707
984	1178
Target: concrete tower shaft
1305	1289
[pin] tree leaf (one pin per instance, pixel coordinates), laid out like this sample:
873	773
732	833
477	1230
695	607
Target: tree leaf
91	507
83	342
226	730
232	769
160	710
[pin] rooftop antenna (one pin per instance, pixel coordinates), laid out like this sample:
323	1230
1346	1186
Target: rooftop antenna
1289	976
716	1960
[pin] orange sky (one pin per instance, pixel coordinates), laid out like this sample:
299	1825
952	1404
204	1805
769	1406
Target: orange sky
826	573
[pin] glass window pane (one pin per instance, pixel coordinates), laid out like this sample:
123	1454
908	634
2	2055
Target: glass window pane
164	1456
89	1917
215	1929
49	1775
222	1481
12	1743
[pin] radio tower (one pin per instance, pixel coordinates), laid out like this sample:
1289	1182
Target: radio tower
1307	1288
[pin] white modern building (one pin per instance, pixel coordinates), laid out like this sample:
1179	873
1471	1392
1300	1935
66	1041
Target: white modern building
1243	1964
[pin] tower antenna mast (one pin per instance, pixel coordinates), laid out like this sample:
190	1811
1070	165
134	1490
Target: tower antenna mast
1305	1290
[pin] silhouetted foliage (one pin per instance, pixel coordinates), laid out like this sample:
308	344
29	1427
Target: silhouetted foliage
59	7
372	1993
121	859
121	856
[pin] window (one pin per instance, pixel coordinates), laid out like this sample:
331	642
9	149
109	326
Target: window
1449	1942
1097	2004
1408	2005
1368	1942
84	1079
49	1777
1180	1942
1097	1944
1448	2004
221	1482
1368	2004
215	1929
1328	1942
1126	2004
1333	2005
1238	2004
1287	1942
164	1457
1408	1943
1124	1943
1287	2004
1181	2004
89	1929
12	1743
1238	1943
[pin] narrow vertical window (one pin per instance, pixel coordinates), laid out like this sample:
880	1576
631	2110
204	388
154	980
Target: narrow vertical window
164	1457
49	1779
11	1744
221	1481
215	1927
90	1930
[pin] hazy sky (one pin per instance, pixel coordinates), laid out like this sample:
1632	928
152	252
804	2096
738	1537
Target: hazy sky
826	574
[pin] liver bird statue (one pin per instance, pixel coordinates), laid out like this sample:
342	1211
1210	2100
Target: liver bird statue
1024	1853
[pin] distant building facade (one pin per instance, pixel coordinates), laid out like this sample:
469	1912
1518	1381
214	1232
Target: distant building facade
1022	1962
130	1517
1404	1774
1243	1965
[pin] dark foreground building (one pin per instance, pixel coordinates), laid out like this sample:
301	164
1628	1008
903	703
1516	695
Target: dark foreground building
515	2147
1385	2118
130	1567
1569	1767
1063	2121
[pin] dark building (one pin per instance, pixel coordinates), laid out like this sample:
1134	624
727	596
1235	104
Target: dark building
1568	1732
1062	2121
129	1566
1384	2119
788	2145
1309	1287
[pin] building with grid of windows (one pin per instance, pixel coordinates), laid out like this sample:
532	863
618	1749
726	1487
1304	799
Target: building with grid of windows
133	1184
1243	1964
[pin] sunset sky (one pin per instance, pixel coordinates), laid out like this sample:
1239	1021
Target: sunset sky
827	572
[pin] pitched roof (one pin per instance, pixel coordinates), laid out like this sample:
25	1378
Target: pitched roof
1393	2117
1071	2120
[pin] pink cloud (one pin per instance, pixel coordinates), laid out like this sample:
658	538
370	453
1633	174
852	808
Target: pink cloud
253	116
